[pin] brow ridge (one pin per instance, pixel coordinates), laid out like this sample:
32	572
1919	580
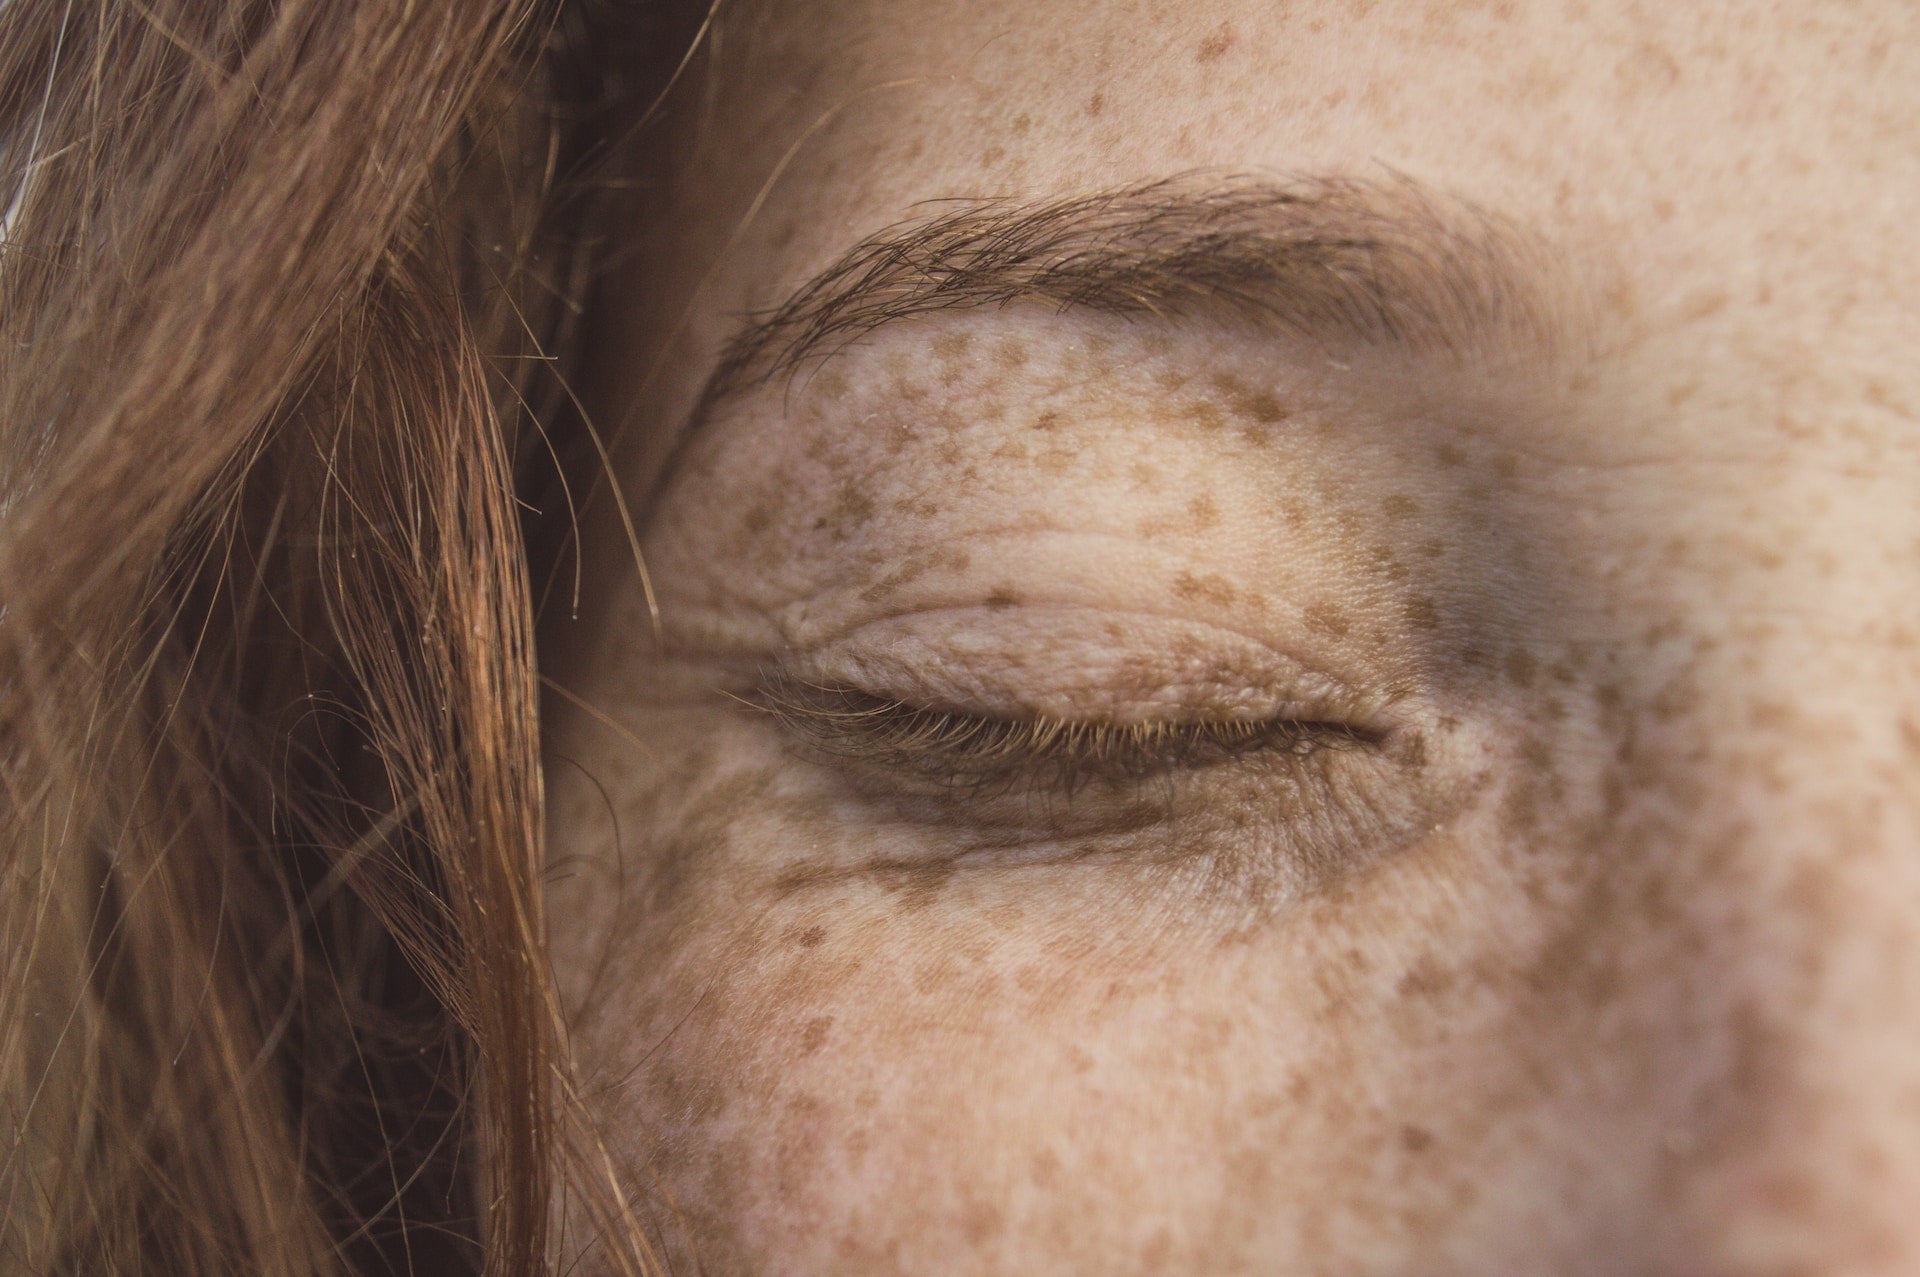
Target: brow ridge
1338	260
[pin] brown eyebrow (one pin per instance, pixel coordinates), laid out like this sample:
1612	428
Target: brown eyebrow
1336	260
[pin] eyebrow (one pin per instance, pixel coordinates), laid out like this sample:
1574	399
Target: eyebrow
1341	261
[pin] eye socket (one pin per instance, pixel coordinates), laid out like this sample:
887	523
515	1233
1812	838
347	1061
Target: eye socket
965	755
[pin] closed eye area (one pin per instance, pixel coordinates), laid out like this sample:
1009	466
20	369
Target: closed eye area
1113	524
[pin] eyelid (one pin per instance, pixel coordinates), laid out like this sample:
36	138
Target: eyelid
1083	664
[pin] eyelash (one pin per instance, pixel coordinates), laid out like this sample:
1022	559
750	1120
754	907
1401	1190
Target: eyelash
969	755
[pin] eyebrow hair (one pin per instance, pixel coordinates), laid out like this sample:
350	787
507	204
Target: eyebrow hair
1336	260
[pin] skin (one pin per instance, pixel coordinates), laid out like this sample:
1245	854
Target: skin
1606	959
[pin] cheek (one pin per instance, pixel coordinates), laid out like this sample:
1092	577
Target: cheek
1042	1067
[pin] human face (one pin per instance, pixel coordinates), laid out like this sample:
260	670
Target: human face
1353	711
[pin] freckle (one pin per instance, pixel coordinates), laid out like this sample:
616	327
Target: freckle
982	1222
813	1035
1170	381
1413	754
1423	980
811	937
1448	455
1046	421
851	509
1002	597
992	156
1046	1168
1681	393
1414	1139
1215	46
1209	588
1422	613
1022	122
758	519
1324	619
1145	475
1096	104
952	345
1203	512
1521	667
1400	506
1263	408
1011	353
1205	413
1158	1250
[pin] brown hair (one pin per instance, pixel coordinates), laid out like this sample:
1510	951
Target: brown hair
279	284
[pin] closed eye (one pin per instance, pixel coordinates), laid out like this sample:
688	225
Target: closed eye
980	755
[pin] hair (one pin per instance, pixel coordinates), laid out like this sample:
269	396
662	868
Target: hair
281	287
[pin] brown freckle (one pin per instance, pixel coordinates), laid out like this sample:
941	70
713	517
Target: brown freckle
1448	455
1203	511
1205	413
813	1035
952	345
1422	613
1383	559
1046	421
1002	597
992	156
981	1222
1096	104
1046	1168
1400	506
1423	980
1022	122
1705	305
1413	754
851	508
811	937
1262	407
1215	46
1521	667
758	519
1414	1139
1210	588
1325	619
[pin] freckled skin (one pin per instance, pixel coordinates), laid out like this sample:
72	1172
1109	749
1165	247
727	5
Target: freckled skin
1606	961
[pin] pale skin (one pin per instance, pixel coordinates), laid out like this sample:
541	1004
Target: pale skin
1593	946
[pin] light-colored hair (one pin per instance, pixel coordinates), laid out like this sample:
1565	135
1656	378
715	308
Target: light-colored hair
278	283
